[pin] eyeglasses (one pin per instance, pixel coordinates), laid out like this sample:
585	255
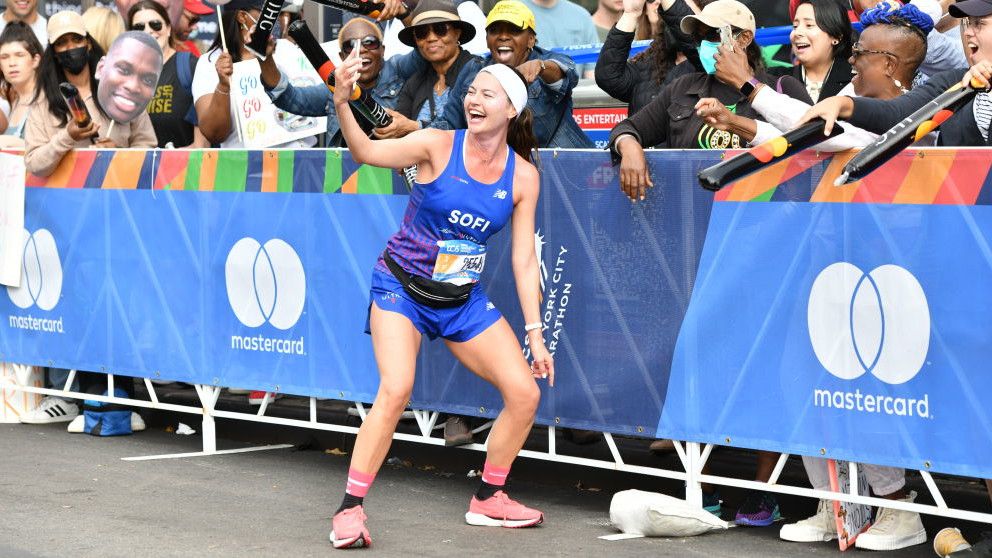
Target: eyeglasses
155	24
975	23
440	29
368	43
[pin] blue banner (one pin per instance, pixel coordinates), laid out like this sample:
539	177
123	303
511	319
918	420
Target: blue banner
853	330
269	290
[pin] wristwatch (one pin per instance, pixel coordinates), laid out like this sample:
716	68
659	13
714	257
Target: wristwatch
748	88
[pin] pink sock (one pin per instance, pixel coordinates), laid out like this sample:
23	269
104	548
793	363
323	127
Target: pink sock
359	483
494	475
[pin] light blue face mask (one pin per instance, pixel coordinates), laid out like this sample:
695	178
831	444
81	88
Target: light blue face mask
707	55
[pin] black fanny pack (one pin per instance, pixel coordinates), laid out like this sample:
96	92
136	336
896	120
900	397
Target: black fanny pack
436	294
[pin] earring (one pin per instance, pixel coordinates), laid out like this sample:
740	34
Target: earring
899	85
835	43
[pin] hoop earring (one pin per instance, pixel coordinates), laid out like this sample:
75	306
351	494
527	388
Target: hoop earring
835	43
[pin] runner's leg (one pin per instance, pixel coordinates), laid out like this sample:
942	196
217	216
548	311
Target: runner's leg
396	343
495	355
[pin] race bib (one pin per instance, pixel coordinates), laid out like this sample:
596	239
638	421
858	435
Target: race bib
459	262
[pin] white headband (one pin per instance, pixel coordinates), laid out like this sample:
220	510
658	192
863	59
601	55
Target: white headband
512	84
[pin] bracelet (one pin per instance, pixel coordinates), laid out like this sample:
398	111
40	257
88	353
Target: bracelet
543	67
218	90
535	325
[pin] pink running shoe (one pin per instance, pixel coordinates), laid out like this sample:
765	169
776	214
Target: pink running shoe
348	529
501	511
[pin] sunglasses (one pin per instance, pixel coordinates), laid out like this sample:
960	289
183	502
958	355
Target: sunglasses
857	51
155	25
440	29
368	43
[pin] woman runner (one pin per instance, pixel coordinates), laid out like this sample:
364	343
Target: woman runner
470	182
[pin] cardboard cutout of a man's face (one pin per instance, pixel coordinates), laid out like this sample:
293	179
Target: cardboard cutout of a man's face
128	75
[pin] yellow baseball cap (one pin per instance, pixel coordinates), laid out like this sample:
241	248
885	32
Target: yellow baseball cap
512	11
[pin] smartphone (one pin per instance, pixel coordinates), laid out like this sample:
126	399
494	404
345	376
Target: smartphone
727	37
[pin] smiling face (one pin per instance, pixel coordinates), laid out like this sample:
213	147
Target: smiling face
487	106
150	19
810	44
976	38
22	8
871	70
17	64
128	75
508	43
437	48
371	57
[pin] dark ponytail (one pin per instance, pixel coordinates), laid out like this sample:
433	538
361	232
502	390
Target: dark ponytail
520	136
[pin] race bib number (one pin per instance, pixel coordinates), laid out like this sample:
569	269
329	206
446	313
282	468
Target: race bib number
459	262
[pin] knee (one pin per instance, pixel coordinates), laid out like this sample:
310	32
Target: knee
393	399
524	397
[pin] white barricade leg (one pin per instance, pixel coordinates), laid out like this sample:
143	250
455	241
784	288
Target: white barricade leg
694	465
208	428
14	402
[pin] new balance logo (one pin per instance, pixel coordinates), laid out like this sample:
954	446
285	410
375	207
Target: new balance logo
500	194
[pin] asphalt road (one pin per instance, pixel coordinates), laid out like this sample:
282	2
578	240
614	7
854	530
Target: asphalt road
72	495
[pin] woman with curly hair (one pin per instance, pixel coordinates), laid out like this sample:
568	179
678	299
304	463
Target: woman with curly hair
638	80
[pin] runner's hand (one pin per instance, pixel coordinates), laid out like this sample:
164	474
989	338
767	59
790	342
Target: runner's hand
543	364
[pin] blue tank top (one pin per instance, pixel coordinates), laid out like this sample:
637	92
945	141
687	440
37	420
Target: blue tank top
453	206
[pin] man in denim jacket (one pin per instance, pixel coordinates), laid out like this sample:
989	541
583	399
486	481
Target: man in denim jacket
511	37
383	79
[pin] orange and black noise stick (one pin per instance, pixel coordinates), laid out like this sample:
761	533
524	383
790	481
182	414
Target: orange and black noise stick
910	130
362	7
360	99
759	156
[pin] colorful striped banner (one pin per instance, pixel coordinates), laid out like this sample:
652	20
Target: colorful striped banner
221	170
922	176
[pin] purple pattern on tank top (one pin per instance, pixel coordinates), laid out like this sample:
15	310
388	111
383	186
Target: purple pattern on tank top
479	210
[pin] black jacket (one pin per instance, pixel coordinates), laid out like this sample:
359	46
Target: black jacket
419	88
672	117
837	78
878	116
632	81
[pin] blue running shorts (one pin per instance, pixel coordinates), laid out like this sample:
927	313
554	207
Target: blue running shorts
457	324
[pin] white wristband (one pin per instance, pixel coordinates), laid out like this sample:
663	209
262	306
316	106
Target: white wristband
535	325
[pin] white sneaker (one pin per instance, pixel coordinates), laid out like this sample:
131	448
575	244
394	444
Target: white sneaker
819	528
137	423
893	529
51	409
77	425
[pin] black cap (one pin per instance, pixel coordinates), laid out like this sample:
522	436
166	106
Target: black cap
971	8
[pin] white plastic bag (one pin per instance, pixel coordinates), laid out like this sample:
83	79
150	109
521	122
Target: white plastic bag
656	515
